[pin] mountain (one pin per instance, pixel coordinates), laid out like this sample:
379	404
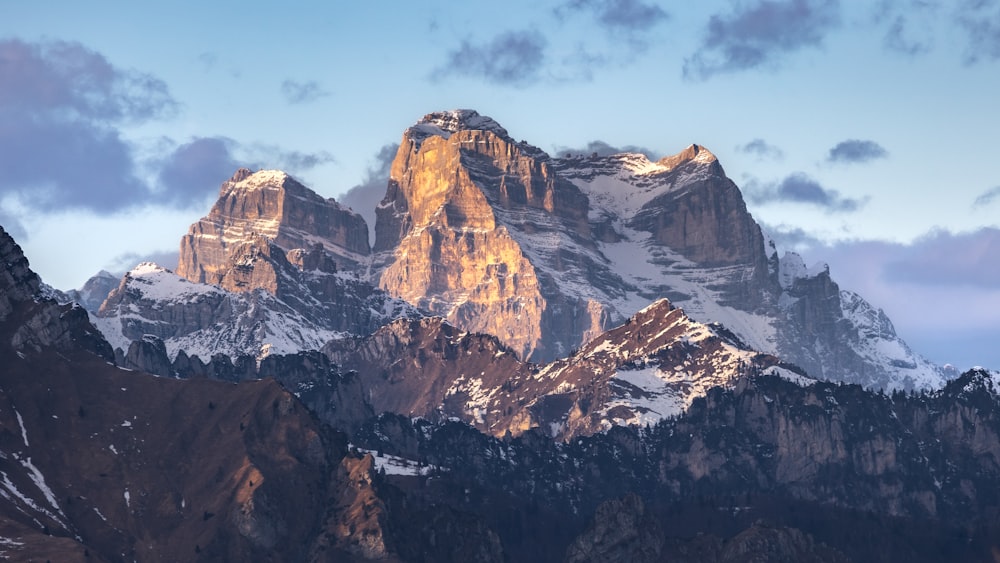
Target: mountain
649	368
272	269
100	463
545	253
496	237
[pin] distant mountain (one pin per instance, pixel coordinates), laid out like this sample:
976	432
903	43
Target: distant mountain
272	269
529	264
545	253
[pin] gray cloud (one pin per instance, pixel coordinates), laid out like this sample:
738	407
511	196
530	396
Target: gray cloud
604	149
627	19
942	290
513	58
302	92
986	197
856	151
800	188
60	109
942	258
980	20
77	83
759	34
761	149
363	197
194	170
787	237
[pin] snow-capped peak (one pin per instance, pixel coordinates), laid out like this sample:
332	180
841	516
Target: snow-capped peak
445	123
145	269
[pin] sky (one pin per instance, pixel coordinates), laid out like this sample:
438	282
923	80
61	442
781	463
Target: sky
863	134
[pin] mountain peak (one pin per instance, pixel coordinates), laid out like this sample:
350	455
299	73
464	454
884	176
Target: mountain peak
696	153
445	123
272	204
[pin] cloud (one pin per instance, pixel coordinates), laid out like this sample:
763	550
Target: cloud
986	197
363	197
980	20
302	92
195	169
951	260
909	25
627	19
761	149
600	148
297	161
759	34
61	107
800	188
513	58
856	151
77	83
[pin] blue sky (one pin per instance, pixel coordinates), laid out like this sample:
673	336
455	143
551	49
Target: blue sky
863	134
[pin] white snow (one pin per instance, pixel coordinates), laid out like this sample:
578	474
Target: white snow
395	465
24	432
128	498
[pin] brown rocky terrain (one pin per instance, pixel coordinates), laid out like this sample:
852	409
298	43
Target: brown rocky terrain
649	368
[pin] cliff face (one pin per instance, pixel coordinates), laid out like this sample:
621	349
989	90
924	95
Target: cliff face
275	206
462	203
273	268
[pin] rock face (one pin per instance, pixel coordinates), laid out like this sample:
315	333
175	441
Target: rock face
461	196
649	368
273	205
262	274
545	253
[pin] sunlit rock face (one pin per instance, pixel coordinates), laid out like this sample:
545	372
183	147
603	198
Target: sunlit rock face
271	205
462	202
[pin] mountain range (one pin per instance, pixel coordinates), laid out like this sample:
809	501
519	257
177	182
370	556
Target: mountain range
578	358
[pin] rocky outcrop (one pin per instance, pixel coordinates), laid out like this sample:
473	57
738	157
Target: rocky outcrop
275	206
621	531
40	322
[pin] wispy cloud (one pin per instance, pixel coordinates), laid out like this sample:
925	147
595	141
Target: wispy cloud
800	188
909	25
760	34
303	92
853	151
630	20
980	20
600	148
363	197
986	198
761	149
512	58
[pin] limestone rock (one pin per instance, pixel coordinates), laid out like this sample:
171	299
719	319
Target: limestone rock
273	205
